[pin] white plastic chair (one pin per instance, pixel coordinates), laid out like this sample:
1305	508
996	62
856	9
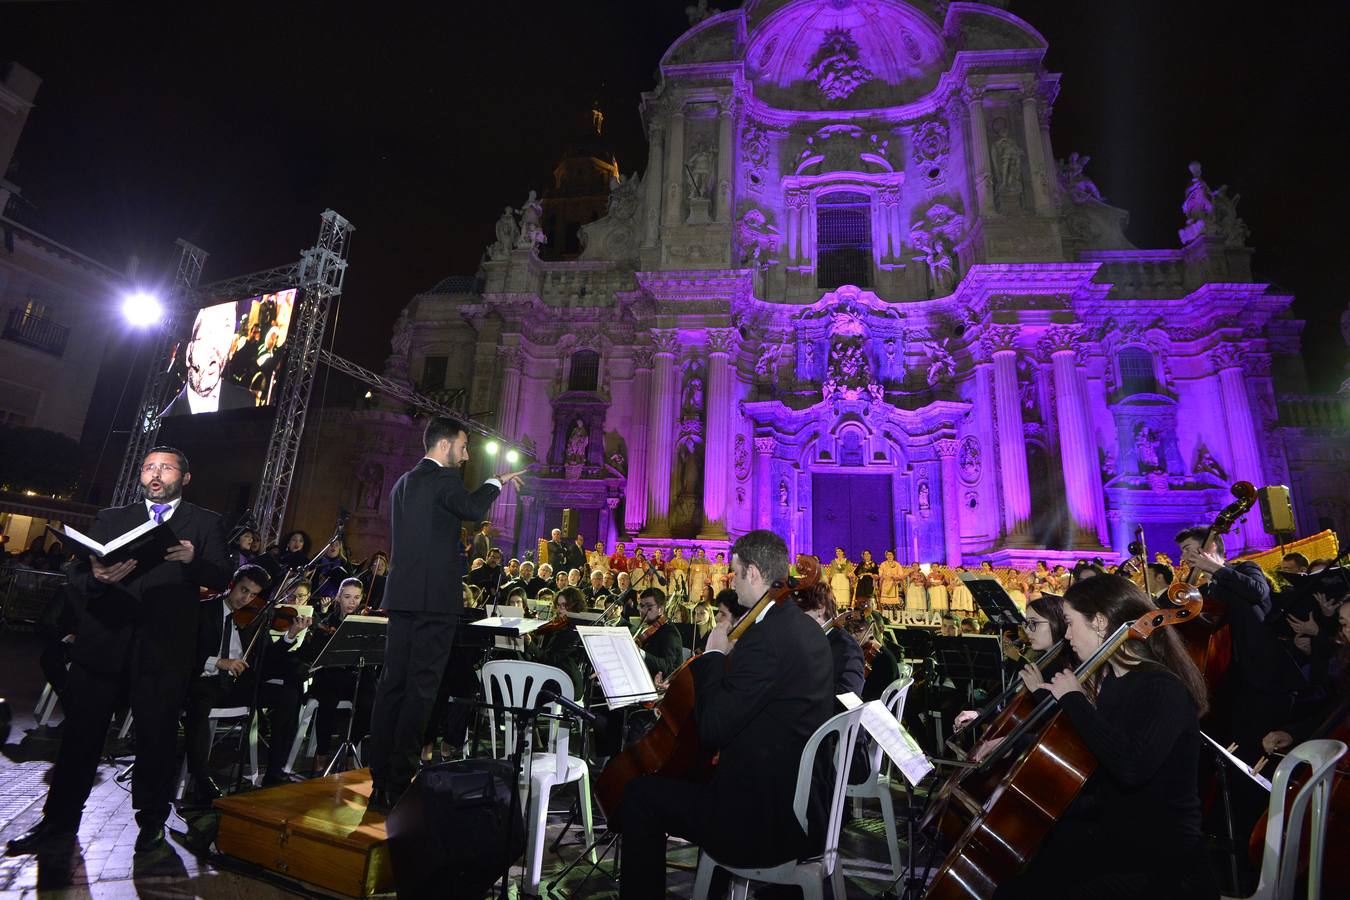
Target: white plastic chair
809	874
1279	860
306	740
878	784
518	685
46	705
214	718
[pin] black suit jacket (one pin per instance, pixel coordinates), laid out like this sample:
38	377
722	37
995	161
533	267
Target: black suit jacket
481	546
232	396
662	650
210	636
426	562
557	556
848	662
151	618
575	557
758	706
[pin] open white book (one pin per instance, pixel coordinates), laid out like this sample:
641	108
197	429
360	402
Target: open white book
147	543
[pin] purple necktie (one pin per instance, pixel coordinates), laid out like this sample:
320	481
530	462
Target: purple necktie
159	509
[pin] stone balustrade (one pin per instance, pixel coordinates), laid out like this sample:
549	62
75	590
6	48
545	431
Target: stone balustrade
1313	411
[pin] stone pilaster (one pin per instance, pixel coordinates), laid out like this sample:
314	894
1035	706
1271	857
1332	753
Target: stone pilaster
999	344
652	186
979	141
635	491
726	157
947	450
717	432
764	482
1078	453
1246	449
1040	176
674	187
661	432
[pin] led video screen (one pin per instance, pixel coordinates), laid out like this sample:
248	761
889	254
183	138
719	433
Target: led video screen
234	355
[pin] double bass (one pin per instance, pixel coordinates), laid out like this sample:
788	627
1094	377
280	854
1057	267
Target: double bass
672	747
1006	832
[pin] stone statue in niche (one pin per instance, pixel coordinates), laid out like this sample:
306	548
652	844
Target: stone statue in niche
691	402
698	169
766	366
757	240
783	494
507	233
923	497
531	235
741	457
970	461
1007	158
577	443
1148	449
835	67
936	237
941	363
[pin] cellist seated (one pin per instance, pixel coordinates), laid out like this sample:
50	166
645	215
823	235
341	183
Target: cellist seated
757	714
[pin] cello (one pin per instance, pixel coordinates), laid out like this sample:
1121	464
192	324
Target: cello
672	747
1006	832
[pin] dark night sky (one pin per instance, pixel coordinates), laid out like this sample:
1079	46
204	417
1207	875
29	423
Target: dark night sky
234	125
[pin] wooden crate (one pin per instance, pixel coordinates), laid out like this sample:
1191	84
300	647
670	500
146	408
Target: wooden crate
318	831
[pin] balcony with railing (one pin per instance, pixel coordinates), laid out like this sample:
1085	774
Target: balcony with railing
1314	411
38	332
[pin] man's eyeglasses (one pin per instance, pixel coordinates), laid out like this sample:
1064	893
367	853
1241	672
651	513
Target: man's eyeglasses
149	468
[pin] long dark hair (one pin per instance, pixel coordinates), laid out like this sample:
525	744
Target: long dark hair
1053	612
1120	600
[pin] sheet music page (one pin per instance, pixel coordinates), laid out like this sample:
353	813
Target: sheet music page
899	745
1239	764
619	667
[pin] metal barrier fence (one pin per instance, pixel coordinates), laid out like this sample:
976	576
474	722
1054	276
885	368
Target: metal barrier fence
24	594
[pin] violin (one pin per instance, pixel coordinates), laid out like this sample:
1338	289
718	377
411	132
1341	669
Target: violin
282	616
650	630
672	747
557	623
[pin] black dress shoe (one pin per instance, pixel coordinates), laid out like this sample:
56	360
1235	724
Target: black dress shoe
206	790
150	839
41	835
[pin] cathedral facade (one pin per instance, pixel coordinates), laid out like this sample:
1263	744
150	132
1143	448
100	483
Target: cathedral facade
856	298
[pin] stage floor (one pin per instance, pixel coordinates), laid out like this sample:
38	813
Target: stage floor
103	864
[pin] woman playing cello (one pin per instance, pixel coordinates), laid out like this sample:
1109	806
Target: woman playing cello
1134	830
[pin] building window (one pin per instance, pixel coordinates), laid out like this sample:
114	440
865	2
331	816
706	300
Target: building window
843	241
28	325
584	373
1136	372
433	372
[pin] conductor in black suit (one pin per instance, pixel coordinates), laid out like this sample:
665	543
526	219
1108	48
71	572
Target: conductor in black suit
757	707
424	598
138	638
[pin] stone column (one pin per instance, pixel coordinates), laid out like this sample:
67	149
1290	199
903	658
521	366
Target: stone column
1077	453
951	510
661	432
635	491
979	141
507	407
726	156
671	208
1242	440
796	203
998	342
1031	130
764	482
717	433
652	187
987	513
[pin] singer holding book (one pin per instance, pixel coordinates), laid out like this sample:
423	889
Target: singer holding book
425	600
137	638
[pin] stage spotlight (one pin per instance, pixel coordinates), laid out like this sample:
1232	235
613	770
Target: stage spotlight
490	448
142	309
512	457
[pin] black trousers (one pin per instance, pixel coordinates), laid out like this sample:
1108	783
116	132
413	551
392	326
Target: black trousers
330	687
53	663
90	700
417	647
654	807
282	702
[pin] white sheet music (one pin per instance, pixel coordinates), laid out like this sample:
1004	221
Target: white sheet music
1239	764
899	745
619	667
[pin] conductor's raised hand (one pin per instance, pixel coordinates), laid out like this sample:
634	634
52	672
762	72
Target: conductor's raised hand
511	477
113	573
183	553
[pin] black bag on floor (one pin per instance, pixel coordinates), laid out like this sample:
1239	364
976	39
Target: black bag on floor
454	829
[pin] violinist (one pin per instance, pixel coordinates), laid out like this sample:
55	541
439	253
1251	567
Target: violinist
757	707
373	575
846	654
331	685
224	678
561	646
1134	830
1261	675
658	639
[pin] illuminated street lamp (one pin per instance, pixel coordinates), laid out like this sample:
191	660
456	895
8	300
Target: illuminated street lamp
142	310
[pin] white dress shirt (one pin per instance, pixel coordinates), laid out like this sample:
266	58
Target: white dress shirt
168	513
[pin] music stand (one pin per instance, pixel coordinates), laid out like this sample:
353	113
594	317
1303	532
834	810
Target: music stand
974	658
359	641
997	606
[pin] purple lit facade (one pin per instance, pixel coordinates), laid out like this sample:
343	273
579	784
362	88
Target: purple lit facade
854	298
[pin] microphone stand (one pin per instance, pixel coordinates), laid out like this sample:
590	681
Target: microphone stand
260	648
